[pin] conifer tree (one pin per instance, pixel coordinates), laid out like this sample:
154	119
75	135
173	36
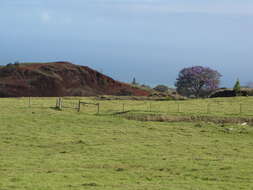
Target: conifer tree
134	81
237	87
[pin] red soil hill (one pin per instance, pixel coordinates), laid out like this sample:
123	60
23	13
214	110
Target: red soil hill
59	79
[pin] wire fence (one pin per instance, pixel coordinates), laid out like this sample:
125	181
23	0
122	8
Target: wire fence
90	106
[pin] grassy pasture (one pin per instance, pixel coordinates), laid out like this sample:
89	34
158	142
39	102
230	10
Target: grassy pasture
225	107
43	148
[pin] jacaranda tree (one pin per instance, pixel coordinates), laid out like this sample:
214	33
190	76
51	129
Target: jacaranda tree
197	81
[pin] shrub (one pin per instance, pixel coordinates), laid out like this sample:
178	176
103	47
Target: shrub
161	88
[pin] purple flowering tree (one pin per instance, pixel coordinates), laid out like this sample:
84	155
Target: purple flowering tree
197	81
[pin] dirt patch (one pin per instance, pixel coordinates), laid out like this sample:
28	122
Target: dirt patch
165	118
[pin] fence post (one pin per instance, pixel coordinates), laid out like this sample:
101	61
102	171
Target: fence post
60	103
150	107
98	105
123	108
178	108
79	106
29	100
57	103
240	108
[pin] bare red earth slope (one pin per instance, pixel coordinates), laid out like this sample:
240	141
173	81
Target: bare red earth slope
59	79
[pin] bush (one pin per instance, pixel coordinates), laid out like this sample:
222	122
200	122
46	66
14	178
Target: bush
161	88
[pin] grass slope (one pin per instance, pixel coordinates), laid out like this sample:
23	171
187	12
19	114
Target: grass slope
42	148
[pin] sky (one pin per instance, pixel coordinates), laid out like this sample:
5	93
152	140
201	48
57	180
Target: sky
151	40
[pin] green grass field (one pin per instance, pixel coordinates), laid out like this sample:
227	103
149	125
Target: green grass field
42	148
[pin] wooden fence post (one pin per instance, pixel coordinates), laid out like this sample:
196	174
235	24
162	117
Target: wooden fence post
79	106
240	108
29	100
123	108
178	108
57	103
98	105
60	103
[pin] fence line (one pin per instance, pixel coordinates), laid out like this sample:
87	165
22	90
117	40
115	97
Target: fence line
88	103
183	107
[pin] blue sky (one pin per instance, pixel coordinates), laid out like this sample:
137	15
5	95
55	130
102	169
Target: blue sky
151	40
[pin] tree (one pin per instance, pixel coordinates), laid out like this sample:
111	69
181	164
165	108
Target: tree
134	81
161	88
237	87
197	81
